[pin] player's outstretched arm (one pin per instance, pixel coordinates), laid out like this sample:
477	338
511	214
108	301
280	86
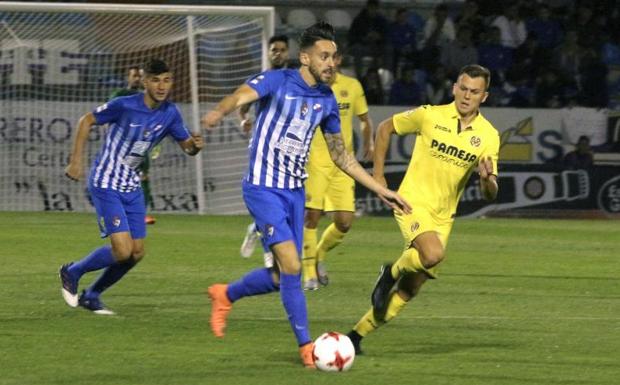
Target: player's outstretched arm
488	181
367	139
246	122
75	169
193	145
382	143
347	163
242	95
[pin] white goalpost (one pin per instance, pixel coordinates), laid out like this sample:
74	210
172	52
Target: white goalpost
61	60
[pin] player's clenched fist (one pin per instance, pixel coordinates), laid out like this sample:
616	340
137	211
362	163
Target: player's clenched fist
73	171
199	142
212	119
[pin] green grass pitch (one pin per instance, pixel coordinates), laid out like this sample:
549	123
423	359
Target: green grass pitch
518	302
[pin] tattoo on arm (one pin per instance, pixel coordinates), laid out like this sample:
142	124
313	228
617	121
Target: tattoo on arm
338	152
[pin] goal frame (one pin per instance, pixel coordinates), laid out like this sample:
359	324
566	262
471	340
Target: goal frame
267	13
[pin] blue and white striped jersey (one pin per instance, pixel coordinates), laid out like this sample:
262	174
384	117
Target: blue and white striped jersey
133	130
287	114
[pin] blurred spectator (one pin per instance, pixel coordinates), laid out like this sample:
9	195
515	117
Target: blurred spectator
471	17
531	58
593	80
405	90
583	22
371	82
610	50
517	89
459	53
403	41
493	55
548	30
439	87
511	26
438	31
416	20
368	34
568	54
581	157
549	90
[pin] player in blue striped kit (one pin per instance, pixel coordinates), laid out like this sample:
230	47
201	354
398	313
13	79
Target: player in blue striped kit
137	123
291	104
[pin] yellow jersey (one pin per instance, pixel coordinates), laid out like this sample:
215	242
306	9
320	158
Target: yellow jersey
351	102
444	156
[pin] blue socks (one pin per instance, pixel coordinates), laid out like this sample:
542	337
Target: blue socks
110	276
259	281
255	282
294	302
98	259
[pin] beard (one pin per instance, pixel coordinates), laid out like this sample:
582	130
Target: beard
317	75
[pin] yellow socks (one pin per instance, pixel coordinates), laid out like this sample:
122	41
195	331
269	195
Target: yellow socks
368	323
331	238
309	257
395	306
409	262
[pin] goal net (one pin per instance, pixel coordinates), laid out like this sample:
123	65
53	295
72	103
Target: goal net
60	61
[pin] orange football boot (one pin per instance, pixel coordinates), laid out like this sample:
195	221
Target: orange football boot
307	355
220	307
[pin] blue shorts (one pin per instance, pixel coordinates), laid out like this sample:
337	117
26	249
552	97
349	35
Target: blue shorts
278	213
118	212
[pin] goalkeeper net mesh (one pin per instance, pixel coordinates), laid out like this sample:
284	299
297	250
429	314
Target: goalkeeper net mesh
58	64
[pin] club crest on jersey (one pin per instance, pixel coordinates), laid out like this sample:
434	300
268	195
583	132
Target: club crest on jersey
102	107
344	93
257	79
475	141
304	109
317	107
269	230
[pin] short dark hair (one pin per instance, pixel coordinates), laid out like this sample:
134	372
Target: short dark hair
477	71
133	67
282	38
155	67
583	138
319	31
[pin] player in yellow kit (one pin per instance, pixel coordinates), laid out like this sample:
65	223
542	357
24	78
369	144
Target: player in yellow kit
329	189
452	141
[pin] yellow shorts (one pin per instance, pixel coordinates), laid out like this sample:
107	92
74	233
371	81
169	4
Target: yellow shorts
421	221
328	188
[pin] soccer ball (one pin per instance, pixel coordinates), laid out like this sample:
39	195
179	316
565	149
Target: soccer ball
333	352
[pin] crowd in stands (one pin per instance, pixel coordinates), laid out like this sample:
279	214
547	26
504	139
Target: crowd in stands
543	54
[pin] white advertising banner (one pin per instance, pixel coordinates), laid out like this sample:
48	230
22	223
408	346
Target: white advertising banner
36	139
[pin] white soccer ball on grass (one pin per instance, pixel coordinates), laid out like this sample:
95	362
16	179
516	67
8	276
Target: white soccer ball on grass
333	352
